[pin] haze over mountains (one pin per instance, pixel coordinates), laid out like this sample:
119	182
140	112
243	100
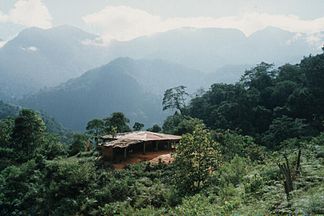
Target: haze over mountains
98	92
55	61
39	58
211	48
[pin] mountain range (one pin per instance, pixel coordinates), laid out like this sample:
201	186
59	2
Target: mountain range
52	70
39	58
211	48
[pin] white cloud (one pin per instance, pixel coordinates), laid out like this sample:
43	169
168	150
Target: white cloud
316	39
30	49
2	43
122	22
125	23
3	17
28	13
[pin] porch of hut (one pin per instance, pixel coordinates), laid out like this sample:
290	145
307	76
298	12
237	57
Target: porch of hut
137	146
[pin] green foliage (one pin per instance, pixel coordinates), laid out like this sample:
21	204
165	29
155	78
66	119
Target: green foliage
216	172
266	99
27	134
196	205
6	127
138	126
282	129
232	144
117	120
175	98
51	147
197	156
20	190
8	111
179	124
95	128
232	172
79	144
156	128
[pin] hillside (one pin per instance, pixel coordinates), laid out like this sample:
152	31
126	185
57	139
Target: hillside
12	111
225	74
156	75
98	93
254	147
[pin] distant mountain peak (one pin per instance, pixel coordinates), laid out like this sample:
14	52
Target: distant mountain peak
69	29
272	30
62	30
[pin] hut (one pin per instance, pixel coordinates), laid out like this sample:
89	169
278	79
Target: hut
117	148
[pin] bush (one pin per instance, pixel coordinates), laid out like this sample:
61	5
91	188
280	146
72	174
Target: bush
233	172
196	205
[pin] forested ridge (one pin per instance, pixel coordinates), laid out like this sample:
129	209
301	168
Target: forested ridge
255	147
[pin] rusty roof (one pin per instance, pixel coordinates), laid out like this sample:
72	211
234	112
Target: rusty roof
123	140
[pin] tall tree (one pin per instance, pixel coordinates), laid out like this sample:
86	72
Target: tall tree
95	128
175	98
117	120
28	133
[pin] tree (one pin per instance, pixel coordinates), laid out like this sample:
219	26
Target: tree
117	120
51	147
6	150
78	144
6	127
283	128
179	124
156	128
259	77
313	67
175	98
197	156
138	126
28	133
232	144
95	128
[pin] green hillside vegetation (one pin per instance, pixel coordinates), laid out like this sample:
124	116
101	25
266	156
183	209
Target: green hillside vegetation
10	111
251	148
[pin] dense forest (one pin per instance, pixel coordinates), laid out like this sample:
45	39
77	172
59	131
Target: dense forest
255	147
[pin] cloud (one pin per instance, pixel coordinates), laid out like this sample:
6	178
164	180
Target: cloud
3	17
2	43
125	23
28	13
30	49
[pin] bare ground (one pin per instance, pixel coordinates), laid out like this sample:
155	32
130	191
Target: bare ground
152	157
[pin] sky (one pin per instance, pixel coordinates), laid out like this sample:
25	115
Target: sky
128	19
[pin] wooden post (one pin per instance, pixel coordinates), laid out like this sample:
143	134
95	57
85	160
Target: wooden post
157	146
125	153
297	172
143	147
286	172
